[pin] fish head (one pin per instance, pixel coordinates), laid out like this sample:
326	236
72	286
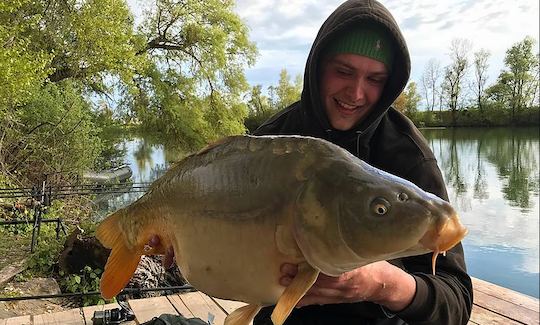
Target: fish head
383	216
369	215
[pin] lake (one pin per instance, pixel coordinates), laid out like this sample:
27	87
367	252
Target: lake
492	176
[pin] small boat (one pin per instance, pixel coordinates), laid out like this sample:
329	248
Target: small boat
116	175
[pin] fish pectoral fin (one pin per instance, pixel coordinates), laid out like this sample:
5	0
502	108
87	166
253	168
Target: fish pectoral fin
285	242
122	261
301	283
243	315
120	266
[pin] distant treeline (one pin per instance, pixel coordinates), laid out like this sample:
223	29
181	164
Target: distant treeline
455	95
458	94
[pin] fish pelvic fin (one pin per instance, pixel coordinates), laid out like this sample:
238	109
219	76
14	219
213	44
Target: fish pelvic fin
243	315
301	283
122	261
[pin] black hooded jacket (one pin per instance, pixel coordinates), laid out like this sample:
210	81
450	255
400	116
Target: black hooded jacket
388	140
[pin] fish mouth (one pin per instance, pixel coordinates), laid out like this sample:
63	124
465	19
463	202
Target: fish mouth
443	236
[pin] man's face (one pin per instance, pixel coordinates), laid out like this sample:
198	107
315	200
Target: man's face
351	85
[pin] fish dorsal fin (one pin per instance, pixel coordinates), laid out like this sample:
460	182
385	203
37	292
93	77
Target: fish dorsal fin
301	283
215	144
243	315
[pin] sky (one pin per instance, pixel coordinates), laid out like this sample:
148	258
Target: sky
283	30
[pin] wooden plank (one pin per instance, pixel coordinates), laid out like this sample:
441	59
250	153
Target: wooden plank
228	305
8	272
202	306
148	308
68	317
482	316
88	312
179	305
503	307
20	320
506	294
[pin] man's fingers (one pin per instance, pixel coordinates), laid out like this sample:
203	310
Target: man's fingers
289	269
318	300
324	292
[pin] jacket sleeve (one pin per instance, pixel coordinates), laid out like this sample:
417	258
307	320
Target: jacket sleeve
444	298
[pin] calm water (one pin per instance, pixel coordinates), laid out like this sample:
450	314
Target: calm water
492	177
493	181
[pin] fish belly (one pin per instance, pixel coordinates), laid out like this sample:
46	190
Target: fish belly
232	260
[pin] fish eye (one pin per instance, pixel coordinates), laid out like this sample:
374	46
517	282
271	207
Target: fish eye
402	197
380	206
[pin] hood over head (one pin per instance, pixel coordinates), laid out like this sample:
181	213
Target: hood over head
349	15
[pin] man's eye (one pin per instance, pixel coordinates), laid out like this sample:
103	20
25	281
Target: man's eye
344	72
377	80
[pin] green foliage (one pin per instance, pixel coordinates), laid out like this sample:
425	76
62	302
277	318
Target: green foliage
517	86
45	256
259	109
282	95
88	40
493	114
87	280
22	70
407	101
285	93
52	132
181	74
192	89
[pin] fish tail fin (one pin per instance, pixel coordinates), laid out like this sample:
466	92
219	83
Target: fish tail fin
122	261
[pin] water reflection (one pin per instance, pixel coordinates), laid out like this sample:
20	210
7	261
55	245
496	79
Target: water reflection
148	160
492	178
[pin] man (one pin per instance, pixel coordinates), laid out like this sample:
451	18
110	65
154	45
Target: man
358	65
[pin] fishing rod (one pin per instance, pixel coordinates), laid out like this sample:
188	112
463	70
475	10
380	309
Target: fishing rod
95	293
81	189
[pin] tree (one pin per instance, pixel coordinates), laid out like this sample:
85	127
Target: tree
407	101
282	95
455	73
480	69
258	107
285	93
517	85
193	86
430	80
22	70
181	74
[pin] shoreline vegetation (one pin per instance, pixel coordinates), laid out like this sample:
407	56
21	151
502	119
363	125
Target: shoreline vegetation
84	70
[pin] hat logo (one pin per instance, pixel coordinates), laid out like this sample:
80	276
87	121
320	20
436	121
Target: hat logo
378	44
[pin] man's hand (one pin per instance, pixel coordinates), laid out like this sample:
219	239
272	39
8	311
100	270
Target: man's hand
168	258
379	282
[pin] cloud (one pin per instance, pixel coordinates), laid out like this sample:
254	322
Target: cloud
412	22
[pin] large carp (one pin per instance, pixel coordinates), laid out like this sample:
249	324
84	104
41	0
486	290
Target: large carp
239	209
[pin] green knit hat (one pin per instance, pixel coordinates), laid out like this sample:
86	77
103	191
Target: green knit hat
372	41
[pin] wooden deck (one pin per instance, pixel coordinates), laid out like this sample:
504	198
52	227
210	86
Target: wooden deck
492	305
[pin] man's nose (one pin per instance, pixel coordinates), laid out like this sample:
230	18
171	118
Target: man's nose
356	91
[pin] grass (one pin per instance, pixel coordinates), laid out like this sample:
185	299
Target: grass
13	247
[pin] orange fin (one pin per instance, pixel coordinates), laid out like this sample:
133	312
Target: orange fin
301	283
434	261
121	265
243	315
122	261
